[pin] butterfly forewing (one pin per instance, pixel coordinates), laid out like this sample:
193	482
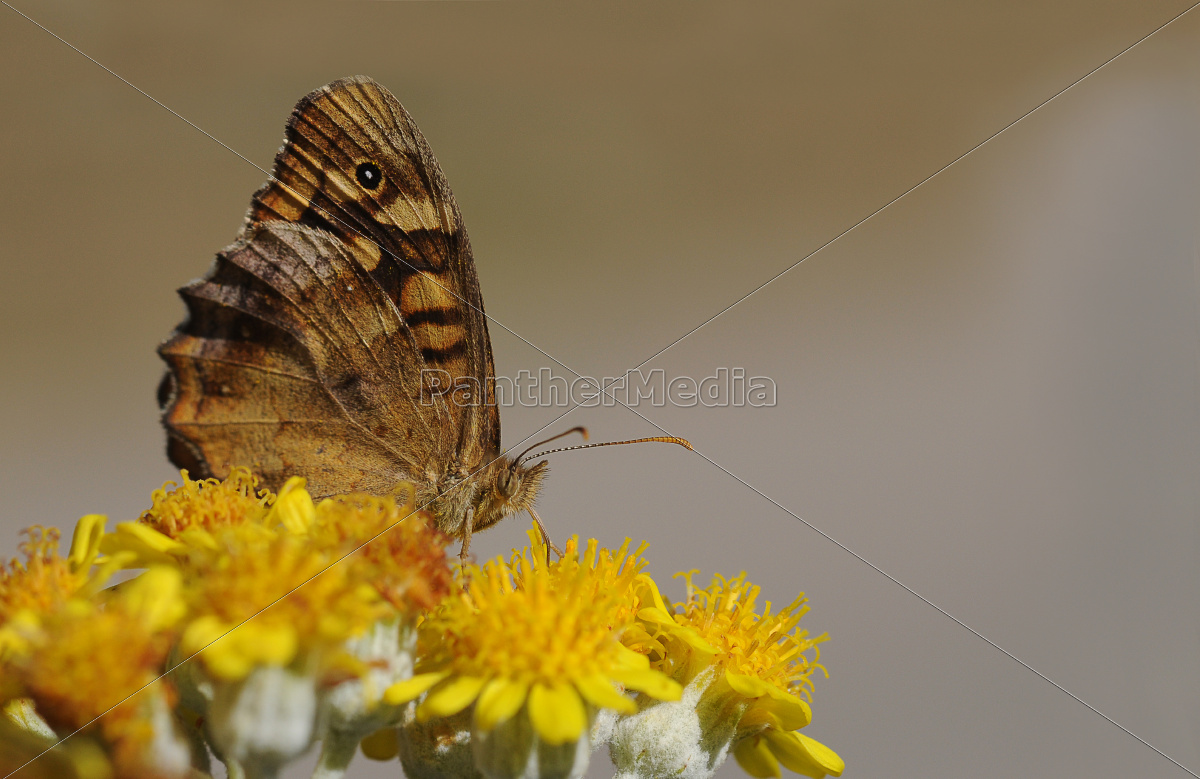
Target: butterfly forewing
321	341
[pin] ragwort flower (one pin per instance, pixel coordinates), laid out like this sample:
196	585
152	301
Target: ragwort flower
299	615
42	585
746	686
188	515
396	550
268	615
126	708
536	647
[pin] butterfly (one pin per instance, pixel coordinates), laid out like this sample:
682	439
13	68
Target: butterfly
342	336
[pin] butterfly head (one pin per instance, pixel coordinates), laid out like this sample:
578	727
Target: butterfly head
516	484
507	488
511	486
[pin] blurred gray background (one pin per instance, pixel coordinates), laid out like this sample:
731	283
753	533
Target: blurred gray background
989	390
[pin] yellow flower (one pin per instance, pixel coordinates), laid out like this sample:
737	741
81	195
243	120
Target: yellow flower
208	504
389	546
746	687
187	516
266	598
762	657
42	585
307	576
392	546
764	661
301	577
97	668
540	637
45	581
300	607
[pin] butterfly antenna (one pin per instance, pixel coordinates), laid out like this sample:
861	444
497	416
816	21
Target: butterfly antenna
581	430
668	439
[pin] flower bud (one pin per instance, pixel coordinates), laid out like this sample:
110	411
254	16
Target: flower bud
688	738
514	750
438	747
264	720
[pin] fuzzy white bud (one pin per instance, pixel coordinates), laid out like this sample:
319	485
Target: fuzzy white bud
355	708
265	720
689	738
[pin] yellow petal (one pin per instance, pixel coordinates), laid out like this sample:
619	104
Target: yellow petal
747	686
109	564
692	638
85	543
411	689
598	691
450	697
804	755
200	633
629	660
154	596
267	644
755	758
755	717
689	635
294	507
646	589
232	652
654	683
557	713
226	665
147	544
792	712
500	700
147	535
381	745
655	615
634	634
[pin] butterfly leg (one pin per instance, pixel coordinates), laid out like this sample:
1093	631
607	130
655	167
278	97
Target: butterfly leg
545	536
466	544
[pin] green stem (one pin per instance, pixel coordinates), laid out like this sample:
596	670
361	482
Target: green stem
258	770
337	750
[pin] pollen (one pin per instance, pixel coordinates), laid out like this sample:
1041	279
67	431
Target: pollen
208	503
541	621
262	597
768	647
394	547
40	584
539	635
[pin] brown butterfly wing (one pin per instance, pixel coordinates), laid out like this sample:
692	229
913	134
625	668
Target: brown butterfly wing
305	347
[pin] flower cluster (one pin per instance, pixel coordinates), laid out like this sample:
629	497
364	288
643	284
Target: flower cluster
249	626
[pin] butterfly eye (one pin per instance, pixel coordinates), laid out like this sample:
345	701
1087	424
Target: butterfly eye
506	483
369	175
